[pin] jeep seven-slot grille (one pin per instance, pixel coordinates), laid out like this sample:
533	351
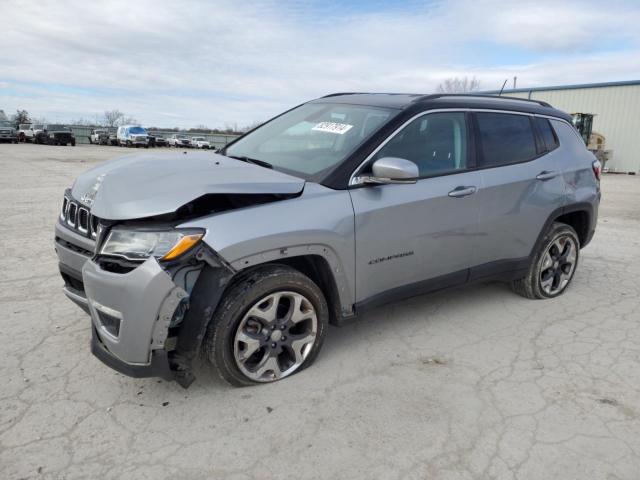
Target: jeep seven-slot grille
78	218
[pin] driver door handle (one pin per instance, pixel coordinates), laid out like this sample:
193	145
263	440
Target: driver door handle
546	175
462	191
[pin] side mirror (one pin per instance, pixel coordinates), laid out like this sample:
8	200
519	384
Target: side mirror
391	170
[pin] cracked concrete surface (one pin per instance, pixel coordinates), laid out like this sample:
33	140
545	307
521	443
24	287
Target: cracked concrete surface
470	383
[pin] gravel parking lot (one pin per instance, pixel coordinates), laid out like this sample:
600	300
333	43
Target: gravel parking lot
470	383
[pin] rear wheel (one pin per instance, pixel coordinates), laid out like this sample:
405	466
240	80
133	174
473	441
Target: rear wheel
553	265
270	325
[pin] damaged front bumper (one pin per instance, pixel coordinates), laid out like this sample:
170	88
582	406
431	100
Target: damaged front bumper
131	312
148	321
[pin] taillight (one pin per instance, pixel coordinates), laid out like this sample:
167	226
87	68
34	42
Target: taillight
597	169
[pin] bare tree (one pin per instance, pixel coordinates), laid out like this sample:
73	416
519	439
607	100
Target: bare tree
21	116
112	117
459	85
128	121
251	126
115	118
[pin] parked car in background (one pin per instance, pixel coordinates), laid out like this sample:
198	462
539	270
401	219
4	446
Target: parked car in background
200	142
8	132
55	134
132	136
27	131
180	140
112	139
99	136
159	140
331	209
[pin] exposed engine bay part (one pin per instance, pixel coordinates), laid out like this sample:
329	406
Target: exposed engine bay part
205	297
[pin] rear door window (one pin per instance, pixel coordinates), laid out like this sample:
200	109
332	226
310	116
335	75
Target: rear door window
505	138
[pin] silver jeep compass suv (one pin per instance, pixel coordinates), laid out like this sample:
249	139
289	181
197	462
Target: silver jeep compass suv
331	208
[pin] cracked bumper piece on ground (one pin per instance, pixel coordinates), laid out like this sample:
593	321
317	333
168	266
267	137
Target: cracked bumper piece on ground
131	314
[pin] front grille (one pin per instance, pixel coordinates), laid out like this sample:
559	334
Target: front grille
74	247
78	218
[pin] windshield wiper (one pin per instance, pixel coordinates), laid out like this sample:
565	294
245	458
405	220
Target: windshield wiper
255	161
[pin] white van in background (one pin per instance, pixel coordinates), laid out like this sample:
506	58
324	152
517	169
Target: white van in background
132	136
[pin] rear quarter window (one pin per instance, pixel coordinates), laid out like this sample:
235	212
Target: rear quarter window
548	134
505	139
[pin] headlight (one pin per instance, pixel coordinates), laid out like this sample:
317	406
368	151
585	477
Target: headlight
141	244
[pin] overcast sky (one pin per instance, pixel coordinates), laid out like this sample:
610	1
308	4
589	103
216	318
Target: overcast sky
185	63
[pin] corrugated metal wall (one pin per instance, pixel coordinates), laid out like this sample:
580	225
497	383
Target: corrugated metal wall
617	117
217	140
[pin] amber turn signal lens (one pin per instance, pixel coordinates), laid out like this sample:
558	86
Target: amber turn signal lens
186	243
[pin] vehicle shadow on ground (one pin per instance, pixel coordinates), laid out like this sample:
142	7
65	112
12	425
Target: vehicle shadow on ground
382	322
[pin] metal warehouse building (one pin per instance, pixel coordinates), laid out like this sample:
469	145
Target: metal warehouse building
616	106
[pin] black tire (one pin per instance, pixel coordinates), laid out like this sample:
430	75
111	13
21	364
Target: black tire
218	345
530	286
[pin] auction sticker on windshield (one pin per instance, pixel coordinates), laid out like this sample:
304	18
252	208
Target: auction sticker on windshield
332	127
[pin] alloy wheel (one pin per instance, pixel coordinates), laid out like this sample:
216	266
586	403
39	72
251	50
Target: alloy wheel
275	336
558	264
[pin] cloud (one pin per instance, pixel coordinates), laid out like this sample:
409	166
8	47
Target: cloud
197	62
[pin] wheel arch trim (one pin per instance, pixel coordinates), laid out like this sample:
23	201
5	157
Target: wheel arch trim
337	270
559	212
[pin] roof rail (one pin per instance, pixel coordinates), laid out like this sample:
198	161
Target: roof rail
480	95
341	93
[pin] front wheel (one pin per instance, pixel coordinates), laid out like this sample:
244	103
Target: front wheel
553	265
270	325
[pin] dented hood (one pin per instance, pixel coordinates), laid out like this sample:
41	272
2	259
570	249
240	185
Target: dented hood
139	186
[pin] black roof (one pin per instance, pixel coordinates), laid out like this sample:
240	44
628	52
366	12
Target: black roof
403	101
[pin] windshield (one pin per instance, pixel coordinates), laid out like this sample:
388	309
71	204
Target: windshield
198	139
38	127
138	130
57	127
25	126
312	138
181	136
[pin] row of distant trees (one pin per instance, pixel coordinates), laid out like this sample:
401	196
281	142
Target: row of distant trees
115	118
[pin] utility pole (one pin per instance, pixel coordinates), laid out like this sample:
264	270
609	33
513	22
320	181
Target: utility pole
515	79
